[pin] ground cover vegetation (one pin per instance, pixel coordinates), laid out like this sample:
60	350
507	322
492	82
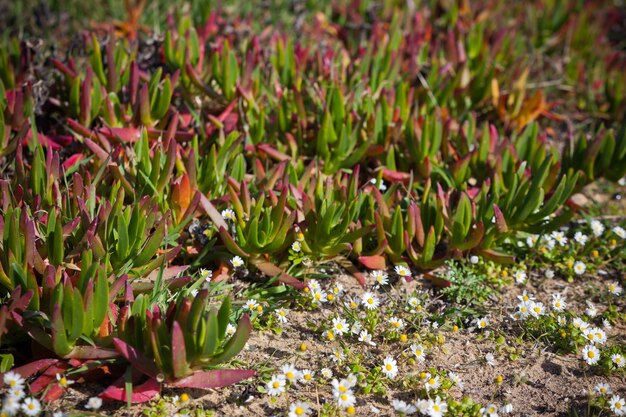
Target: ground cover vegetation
333	208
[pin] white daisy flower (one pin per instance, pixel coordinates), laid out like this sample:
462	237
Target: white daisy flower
380	277
338	355
525	297
490	359
614	288
32	407
13	380
276	385
341	386
537	309
337	289
603	389
10	405
63	381
290	373
549	273
94	403
618	360
231	329
579	268
591	354
532	240
346	399
228	214
299	409
397	324
619	231
581	238
296	246
474	259
319	296
402	270
490	410
366	337
559	237
506	409
251	305
306	376
597	228
205	274
326	373
314	285
481	323
236	261
281	314
520	276
437	407
390	367
419	352
618	406
558	303
455	379
403	407
370	301
580	324
591	310
432	383
340	326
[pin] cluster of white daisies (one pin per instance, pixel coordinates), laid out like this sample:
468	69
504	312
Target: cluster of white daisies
528	307
16	401
616	403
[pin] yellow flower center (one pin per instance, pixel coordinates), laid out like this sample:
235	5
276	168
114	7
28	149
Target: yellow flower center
342	388
344	397
431	381
436	407
591	354
63	381
370	301
289	375
418	352
330	297
525	298
388	367
31	406
350	410
275	384
307	377
299	411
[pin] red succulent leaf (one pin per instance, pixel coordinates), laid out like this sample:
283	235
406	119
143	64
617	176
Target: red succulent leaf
214	379
141	393
48	377
137	359
373	262
34	367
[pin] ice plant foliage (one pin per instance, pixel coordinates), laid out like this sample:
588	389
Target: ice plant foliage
138	183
